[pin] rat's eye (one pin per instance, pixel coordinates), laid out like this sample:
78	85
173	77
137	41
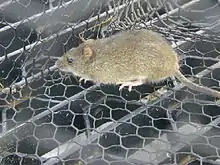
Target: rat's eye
69	60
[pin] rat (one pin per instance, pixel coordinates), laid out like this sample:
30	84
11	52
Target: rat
128	58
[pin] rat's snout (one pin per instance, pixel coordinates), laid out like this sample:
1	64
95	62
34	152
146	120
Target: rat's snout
59	64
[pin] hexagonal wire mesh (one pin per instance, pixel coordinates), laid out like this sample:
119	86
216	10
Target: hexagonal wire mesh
49	118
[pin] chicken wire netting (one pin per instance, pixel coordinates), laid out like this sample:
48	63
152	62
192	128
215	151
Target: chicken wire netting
49	117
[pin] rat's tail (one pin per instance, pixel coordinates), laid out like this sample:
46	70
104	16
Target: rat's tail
195	86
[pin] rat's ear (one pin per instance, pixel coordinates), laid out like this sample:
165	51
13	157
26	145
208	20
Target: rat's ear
87	52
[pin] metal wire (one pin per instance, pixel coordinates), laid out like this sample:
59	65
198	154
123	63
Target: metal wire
49	117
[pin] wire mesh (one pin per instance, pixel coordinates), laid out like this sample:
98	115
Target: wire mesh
51	118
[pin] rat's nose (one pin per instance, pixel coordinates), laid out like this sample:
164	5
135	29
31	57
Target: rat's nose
58	64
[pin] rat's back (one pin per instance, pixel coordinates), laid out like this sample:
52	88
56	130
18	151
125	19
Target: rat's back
132	55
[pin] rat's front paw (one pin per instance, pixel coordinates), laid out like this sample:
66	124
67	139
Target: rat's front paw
124	85
131	84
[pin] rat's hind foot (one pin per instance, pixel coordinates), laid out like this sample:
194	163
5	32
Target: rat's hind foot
83	79
131	84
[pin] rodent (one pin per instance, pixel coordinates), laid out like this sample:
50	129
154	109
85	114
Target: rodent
130	58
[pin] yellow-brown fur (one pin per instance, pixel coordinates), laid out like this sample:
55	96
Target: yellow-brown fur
129	58
126	56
